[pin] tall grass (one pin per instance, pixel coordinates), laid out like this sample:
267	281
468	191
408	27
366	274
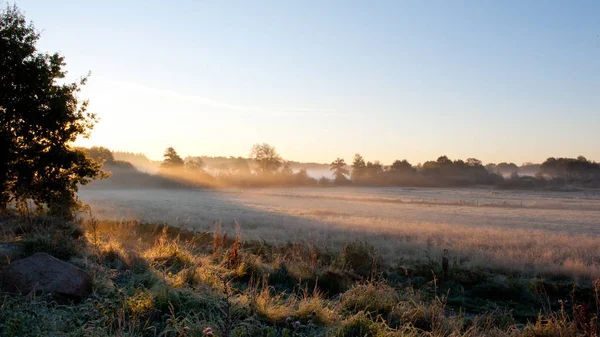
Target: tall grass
551	234
155	280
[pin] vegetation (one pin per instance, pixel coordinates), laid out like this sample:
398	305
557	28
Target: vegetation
338	167
267	159
172	160
155	280
39	118
265	167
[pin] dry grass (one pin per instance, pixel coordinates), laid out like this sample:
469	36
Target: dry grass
531	232
152	280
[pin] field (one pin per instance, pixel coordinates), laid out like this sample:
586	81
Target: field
339	262
531	232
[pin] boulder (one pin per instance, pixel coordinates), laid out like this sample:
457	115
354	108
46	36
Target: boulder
42	272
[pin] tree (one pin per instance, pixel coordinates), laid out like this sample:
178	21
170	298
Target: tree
268	160
172	159
492	168
570	168
100	154
507	169
240	166
194	164
40	116
358	168
340	171
323	181
474	162
373	169
401	166
302	177
444	160
286	169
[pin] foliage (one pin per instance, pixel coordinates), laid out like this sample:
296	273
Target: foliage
271	170
172	159
99	154
267	158
570	169
358	168
39	119
195	164
338	167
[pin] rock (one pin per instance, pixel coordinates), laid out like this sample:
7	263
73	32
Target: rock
43	272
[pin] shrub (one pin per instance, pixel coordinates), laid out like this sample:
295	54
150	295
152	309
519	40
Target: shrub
359	257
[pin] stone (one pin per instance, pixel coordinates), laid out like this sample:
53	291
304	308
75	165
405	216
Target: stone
43	272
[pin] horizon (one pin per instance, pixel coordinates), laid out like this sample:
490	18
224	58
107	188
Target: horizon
348	162
500	82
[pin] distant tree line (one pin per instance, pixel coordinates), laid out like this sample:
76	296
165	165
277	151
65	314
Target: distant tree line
104	156
508	169
265	167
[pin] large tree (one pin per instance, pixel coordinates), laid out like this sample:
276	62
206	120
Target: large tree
172	159
401	166
358	168
40	117
267	158
340	171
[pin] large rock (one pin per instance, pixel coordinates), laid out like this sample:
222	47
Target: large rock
48	274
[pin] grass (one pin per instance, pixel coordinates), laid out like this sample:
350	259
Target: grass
545	233
156	280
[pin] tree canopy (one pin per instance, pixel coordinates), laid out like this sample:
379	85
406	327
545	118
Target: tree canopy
267	158
40	117
100	154
340	171
358	168
171	160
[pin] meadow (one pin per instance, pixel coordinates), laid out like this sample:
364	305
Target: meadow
345	262
534	232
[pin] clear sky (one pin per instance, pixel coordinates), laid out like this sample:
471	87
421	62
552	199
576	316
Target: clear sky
496	80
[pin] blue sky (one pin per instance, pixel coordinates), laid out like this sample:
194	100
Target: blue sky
496	80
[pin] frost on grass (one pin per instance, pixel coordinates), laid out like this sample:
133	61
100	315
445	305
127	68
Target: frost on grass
534	232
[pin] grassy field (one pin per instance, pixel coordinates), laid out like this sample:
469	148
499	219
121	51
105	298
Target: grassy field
536	233
158	280
318	262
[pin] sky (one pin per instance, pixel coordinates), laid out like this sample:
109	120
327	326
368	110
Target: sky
513	81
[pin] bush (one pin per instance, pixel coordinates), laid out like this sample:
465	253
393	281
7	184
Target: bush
359	257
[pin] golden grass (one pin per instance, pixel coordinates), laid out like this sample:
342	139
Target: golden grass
181	287
550	234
